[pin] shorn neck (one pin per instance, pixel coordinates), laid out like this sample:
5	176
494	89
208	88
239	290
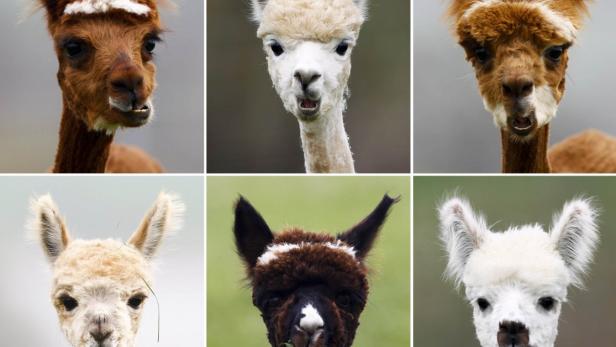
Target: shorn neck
528	156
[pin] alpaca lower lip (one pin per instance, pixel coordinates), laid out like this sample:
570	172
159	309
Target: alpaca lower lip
522	125
137	117
308	107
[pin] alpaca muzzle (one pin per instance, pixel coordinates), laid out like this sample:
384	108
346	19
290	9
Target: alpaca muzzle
513	334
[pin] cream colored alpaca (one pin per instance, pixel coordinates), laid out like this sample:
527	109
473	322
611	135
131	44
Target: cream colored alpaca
99	286
308	46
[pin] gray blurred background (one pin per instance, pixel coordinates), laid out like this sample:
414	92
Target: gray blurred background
30	98
453	132
101	207
248	129
442	317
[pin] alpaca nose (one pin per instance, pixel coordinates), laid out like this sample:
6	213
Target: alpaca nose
517	88
126	83
513	334
306	77
311	319
100	336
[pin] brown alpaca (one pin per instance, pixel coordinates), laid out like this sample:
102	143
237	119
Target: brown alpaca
519	51
107	76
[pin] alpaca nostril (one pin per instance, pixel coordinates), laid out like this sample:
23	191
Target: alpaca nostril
305	78
100	336
512	334
517	88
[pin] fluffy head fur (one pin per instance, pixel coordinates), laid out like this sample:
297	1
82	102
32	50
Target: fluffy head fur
99	286
519	52
310	288
516	280
308	45
105	50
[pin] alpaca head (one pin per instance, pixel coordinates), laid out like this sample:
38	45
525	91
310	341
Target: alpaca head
99	286
516	280
308	46
105	50
310	288
519	52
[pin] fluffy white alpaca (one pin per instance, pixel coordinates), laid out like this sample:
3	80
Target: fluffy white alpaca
308	46
99	286
516	280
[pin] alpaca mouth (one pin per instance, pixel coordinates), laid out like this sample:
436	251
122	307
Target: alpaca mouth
136	117
522	125
308	107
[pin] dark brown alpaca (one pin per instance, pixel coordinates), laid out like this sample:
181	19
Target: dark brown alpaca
107	76
310	288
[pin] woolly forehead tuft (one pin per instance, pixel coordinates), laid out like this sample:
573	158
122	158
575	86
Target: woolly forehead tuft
492	21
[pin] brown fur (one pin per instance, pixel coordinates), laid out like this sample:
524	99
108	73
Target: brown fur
590	151
515	37
529	156
114	51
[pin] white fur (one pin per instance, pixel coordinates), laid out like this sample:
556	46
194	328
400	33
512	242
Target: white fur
513	269
275	250
102	6
101	124
309	32
563	25
541	99
311	320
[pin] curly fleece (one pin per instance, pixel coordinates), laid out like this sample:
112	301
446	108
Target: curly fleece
321	20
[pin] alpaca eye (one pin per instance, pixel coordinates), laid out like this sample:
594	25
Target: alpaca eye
482	54
554	53
74	48
343	300
150	45
547	302
483	304
68	302
276	48
135	301
342	48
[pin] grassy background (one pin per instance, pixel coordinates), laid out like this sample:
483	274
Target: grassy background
442	316
315	203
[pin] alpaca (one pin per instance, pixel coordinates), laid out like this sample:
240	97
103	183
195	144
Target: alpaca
107	76
99	286
310	288
519	50
308	46
517	280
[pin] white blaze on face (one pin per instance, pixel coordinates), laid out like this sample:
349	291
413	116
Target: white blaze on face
311	319
102	6
274	251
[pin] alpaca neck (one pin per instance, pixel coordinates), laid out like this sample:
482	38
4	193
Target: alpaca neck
80	150
326	144
526	157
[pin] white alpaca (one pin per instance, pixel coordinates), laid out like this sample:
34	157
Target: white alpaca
308	45
517	280
99	286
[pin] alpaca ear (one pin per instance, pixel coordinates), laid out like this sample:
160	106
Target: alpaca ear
461	232
362	236
574	232
257	9
47	225
163	218
362	5
252	235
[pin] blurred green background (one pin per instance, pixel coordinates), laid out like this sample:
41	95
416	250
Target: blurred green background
248	129
442	317
333	204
